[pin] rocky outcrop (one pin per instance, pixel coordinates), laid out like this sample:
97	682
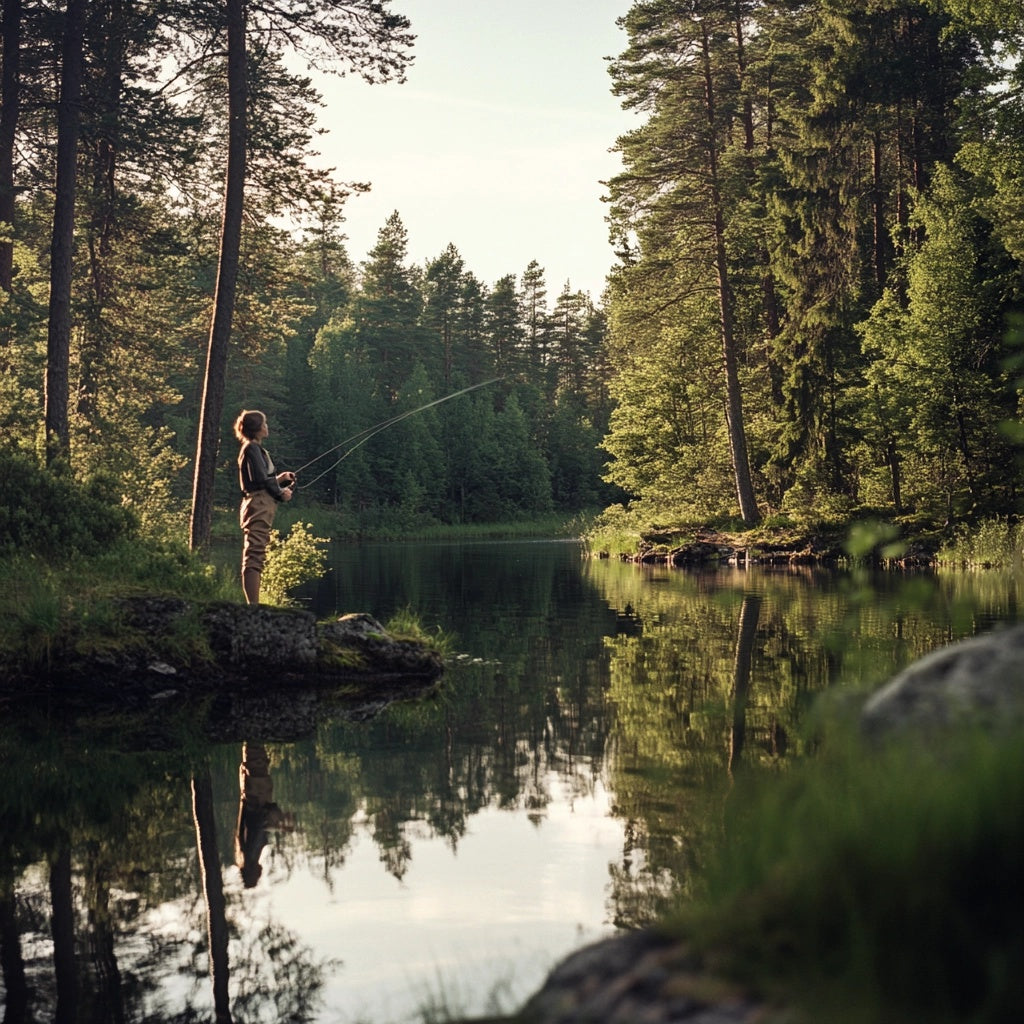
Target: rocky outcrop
169	651
716	549
638	978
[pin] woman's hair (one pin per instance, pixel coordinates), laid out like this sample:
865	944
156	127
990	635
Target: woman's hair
248	424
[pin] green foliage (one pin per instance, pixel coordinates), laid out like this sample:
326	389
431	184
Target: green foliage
869	273
616	531
940	346
49	609
34	608
158	567
800	273
996	543
291	561
901	907
50	514
871	537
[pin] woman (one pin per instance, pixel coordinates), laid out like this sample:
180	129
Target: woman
262	488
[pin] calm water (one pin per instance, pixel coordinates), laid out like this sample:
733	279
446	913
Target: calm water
444	855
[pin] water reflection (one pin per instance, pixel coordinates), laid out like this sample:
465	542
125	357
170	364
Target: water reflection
257	812
563	783
213	892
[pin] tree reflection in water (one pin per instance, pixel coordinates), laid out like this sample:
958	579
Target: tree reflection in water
659	688
213	892
88	863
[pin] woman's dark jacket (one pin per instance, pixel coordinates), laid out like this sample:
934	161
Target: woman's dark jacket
256	471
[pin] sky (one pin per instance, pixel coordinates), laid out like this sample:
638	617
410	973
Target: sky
497	142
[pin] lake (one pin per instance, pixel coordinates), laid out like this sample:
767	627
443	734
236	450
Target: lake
441	857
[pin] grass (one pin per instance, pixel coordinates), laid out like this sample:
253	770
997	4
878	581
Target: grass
406	625
51	611
56	609
614	532
865	535
994	543
876	886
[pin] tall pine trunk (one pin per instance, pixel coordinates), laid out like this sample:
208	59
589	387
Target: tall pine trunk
733	397
108	88
9	109
227	279
58	344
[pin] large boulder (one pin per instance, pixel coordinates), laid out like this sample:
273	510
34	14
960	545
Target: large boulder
979	681
640	977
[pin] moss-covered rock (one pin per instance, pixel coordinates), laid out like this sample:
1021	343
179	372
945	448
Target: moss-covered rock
162	647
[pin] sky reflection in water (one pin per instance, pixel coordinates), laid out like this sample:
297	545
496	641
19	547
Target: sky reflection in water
448	853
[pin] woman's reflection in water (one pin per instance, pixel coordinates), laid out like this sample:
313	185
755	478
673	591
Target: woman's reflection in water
257	812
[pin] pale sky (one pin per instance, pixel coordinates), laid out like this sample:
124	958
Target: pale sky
497	142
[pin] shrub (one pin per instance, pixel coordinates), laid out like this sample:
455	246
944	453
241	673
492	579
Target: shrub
49	514
291	561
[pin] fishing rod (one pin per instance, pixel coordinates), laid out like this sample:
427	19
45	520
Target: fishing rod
364	435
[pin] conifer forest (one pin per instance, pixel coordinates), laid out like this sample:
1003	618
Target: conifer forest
813	303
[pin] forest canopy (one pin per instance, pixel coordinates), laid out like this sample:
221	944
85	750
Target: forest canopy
326	348
814	310
819	226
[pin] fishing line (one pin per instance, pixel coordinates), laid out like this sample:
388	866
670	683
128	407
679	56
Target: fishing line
364	435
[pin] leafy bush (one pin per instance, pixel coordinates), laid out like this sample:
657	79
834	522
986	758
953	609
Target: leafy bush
53	515
291	561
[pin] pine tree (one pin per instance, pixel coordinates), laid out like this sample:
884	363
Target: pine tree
938	361
442	295
534	307
863	95
387	308
504	326
681	68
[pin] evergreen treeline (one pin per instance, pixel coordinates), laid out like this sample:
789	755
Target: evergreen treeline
819	220
114	139
395	337
818	223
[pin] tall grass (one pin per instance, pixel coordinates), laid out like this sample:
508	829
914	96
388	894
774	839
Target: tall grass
990	544
47	608
406	624
877	886
32	609
616	531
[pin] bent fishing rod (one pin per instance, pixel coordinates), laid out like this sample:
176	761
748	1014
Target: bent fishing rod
364	435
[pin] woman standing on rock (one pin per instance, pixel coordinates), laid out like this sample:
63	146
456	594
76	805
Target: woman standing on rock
262	488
